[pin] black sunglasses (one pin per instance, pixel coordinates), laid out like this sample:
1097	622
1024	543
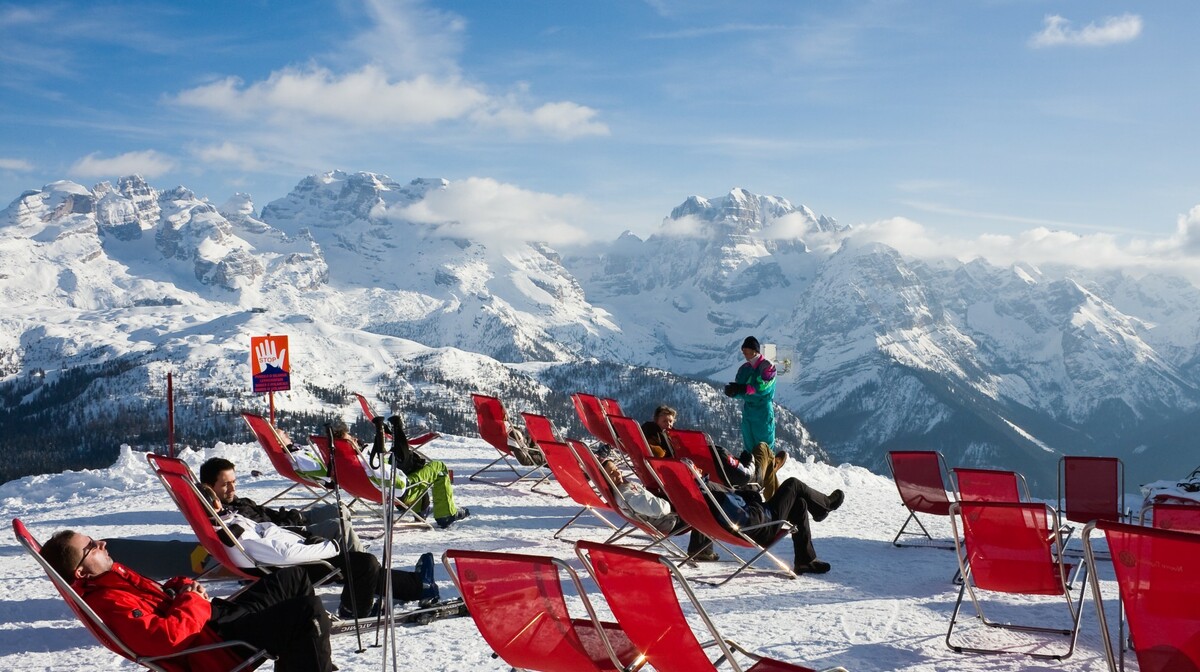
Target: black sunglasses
92	545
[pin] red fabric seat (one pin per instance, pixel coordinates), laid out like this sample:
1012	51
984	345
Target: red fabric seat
1012	547
689	444
640	589
692	501
1179	517
539	428
990	485
594	418
493	428
352	477
1091	488
632	443
918	475
1156	572
517	603
268	438
570	475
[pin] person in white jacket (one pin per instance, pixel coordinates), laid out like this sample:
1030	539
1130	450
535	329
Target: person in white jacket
269	544
652	508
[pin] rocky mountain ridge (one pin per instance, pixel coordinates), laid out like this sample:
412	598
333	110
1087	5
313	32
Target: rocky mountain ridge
1001	366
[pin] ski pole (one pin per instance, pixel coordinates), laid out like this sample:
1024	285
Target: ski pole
337	496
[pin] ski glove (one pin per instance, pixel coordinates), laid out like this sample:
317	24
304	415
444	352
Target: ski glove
731	389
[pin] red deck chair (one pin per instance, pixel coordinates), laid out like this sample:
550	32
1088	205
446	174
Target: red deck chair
353	477
590	410
542	431
177	477
91	621
1010	547
632	443
990	485
639	589
570	475
493	419
414	443
690	444
1169	516
611	496
1091	488
692	501
539	428
1156	572
611	406
518	605
268	438
919	476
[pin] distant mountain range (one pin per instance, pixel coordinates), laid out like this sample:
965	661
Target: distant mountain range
110	287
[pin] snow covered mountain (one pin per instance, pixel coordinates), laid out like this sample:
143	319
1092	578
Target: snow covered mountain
1007	367
110	287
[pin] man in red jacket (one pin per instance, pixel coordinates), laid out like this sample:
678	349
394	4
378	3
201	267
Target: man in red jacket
278	613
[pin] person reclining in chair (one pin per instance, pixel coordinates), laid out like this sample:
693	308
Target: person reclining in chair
278	613
270	544
306	459
653	509
410	469
757	467
220	474
657	512
793	502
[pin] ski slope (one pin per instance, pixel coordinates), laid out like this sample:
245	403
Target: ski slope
881	608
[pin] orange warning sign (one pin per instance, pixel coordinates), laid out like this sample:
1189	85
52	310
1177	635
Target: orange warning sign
270	367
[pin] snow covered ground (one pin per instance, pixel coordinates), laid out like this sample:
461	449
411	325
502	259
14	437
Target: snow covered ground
881	608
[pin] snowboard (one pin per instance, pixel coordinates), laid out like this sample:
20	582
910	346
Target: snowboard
424	616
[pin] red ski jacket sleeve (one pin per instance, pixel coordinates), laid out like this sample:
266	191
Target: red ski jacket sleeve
148	620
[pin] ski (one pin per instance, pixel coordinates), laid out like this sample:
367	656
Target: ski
447	609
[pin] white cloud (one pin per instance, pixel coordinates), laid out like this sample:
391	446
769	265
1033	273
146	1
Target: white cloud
20	165
792	226
688	226
147	163
369	99
230	154
1057	31
494	212
564	120
1178	254
406	38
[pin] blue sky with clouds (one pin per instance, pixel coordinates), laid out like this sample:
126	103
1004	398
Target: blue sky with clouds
920	121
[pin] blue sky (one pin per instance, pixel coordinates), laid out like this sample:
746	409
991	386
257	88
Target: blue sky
1061	123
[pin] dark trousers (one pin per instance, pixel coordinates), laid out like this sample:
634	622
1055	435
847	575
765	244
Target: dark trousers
366	579
281	614
792	502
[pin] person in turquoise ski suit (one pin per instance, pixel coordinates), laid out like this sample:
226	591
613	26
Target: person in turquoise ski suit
755	384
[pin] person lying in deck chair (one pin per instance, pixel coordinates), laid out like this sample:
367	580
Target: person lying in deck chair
306	458
654	509
758	467
793	502
278	613
270	544
657	511
411	469
220	474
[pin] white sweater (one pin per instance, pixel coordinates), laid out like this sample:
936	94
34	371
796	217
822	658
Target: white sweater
270	544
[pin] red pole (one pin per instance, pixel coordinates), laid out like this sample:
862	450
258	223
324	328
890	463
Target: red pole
271	397
170	414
